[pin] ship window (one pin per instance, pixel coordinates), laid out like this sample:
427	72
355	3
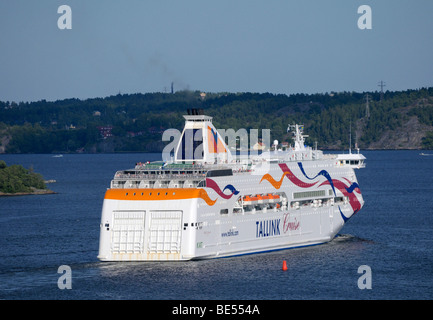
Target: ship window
220	173
339	199
309	194
224	211
238	210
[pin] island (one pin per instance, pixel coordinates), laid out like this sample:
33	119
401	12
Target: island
16	180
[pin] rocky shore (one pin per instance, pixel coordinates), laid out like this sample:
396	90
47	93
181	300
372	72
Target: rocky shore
33	192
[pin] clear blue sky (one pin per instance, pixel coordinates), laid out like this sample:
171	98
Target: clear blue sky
277	46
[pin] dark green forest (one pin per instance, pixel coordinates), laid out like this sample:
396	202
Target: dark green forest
135	122
16	178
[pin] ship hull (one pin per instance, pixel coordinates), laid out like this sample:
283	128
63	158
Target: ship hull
274	207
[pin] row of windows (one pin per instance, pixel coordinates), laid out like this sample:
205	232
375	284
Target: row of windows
309	194
150	193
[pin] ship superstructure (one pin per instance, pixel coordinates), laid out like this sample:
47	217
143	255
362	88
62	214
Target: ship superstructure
207	203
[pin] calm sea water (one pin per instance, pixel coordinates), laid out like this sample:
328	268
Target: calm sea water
392	235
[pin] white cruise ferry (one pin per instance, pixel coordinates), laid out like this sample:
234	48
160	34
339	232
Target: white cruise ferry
208	203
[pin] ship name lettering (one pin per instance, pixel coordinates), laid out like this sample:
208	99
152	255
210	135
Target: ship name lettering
267	228
290	225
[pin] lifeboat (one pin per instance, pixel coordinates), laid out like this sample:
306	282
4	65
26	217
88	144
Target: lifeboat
261	199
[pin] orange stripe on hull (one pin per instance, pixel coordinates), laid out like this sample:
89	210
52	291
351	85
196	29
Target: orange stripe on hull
158	194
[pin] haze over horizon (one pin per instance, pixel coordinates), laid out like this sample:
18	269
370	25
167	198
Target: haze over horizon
275	46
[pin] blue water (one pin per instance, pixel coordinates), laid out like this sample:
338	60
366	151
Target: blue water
392	235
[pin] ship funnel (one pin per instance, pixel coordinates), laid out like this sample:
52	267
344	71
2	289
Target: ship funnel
200	142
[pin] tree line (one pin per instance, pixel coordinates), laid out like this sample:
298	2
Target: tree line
136	121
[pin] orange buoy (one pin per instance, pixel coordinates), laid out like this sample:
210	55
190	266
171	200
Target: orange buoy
284	265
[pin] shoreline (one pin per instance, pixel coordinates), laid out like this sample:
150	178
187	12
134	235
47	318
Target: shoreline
34	192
